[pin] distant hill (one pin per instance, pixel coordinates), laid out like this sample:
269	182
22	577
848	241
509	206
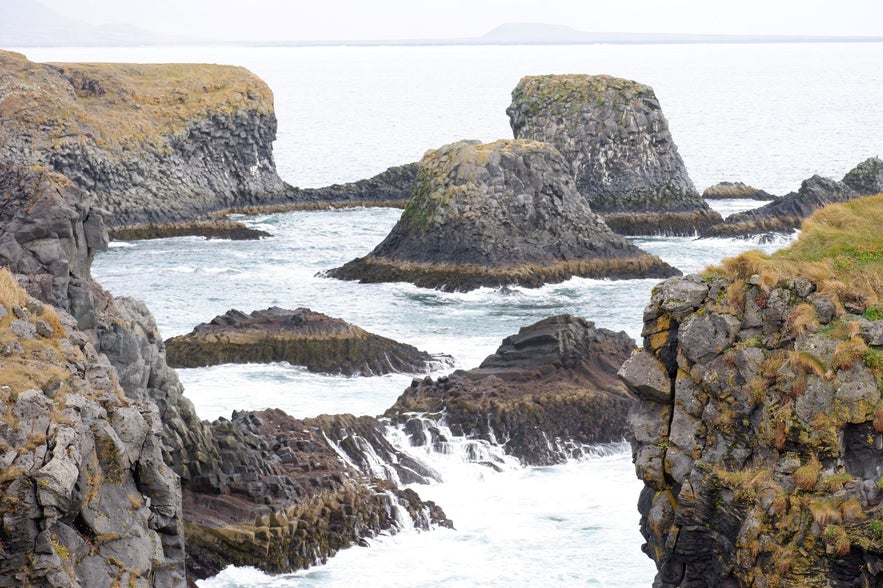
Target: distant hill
27	23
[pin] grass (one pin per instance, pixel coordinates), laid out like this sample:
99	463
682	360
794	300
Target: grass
121	105
840	250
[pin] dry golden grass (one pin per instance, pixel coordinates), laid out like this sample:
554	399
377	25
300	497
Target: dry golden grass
802	318
120	105
825	513
807	476
849	352
852	511
840	249
11	294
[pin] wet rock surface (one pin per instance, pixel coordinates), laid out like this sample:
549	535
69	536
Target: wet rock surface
301	337
614	136
497	214
546	393
758	441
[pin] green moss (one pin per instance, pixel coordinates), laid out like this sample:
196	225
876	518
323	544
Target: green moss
874	313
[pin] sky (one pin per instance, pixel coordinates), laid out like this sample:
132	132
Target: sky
322	20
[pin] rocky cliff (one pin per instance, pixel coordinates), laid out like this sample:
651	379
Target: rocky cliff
496	214
547	392
614	136
301	337
121	429
759	429
724	190
785	214
153	143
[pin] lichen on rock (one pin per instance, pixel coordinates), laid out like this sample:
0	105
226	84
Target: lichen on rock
494	214
614	136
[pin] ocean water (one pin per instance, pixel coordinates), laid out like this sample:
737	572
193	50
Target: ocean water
769	115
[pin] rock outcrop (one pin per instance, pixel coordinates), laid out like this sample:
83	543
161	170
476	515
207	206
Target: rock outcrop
496	214
153	143
131	413
759	425
614	136
544	395
785	214
725	190
301	337
86	496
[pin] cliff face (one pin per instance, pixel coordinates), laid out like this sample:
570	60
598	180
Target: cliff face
153	143
494	214
616	139
759	429
547	392
86	496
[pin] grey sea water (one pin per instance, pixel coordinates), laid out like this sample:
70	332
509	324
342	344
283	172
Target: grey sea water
769	115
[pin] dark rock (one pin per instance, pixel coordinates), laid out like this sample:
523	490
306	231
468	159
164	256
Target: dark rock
301	337
497	214
614	136
785	214
866	178
547	390
393	187
726	190
210	229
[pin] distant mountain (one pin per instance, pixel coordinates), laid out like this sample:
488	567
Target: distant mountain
27	23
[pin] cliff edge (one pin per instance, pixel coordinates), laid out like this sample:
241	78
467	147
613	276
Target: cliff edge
153	143
759	429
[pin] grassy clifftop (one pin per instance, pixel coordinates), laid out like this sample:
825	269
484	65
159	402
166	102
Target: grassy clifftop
117	104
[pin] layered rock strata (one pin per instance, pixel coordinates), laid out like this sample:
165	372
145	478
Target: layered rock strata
758	435
497	214
153	143
301	337
544	395
726	190
787	213
614	136
49	232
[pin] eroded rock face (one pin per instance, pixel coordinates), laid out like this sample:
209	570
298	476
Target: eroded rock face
301	337
614	136
725	190
757	436
393	187
546	393
496	214
153	143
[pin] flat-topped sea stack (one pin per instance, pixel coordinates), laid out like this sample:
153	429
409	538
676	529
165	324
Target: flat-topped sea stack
728	190
495	214
548	391
153	143
617	142
301	337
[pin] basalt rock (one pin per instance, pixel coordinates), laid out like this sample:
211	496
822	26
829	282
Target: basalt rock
544	395
210	229
757	436
725	190
614	136
497	214
153	143
787	213
301	337
300	491
118	517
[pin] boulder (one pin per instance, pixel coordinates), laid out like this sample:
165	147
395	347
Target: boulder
617	142
726	190
866	178
497	214
545	394
301	337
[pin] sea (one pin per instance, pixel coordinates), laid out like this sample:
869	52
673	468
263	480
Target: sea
770	115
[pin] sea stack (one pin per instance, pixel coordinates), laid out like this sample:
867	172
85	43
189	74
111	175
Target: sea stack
614	136
497	214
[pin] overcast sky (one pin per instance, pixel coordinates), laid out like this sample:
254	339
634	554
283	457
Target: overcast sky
306	20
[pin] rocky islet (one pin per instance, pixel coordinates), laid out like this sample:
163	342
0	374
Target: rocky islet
498	214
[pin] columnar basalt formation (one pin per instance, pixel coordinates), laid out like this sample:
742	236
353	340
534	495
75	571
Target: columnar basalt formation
760	420
546	393
496	214
153	143
301	337
614	136
787	213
